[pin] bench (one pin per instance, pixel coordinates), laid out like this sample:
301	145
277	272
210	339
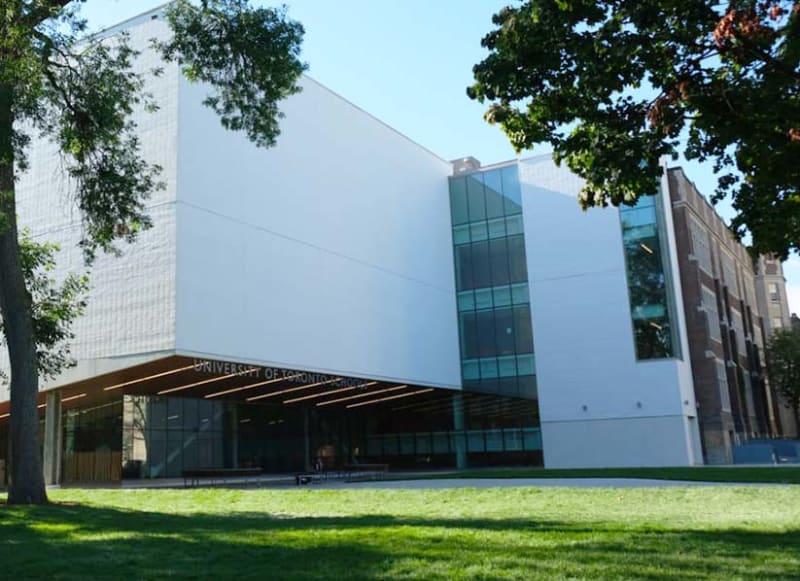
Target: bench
194	476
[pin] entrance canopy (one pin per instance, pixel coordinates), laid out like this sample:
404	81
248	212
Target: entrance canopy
216	380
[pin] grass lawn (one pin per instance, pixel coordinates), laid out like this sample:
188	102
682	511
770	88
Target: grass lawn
751	474
510	533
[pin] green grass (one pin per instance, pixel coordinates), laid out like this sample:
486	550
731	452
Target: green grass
508	533
749	474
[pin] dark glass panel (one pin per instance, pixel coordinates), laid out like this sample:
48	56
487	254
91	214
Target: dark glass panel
481	265
463	256
485	330
458	201
469	336
498	256
504	331
516	259
511	190
476	198
495	204
522	329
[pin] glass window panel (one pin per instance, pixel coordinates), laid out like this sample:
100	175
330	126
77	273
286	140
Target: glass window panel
476	198
463	256
475	442
481	266
461	234
514	225
498	255
647	283
519	294
483	298
494	440
507	366
469	335
458	200
532	438
502	296
466	301
504	331
478	231
527	386
513	439
470	369
423	443
485	331
497	228
441	442
516	257
511	190
526	364
488	368
157	413
522	329
495	205
175	417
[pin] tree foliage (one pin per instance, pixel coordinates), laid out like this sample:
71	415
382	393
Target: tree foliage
82	93
783	359
56	305
615	85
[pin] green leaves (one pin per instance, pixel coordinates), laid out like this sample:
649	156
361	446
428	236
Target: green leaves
56	304
783	357
613	86
250	56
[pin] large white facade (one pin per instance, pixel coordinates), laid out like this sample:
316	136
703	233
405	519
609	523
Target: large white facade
333	252
599	406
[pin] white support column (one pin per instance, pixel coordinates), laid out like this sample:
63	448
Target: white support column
52	438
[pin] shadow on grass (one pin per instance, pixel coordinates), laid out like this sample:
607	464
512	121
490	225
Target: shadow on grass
72	542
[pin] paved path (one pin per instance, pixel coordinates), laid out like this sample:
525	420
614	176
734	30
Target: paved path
519	482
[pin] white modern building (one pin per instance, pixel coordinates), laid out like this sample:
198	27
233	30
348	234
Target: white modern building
350	296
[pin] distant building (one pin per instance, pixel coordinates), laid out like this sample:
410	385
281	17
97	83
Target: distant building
725	321
774	307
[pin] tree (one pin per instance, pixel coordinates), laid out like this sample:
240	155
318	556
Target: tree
615	85
783	365
80	93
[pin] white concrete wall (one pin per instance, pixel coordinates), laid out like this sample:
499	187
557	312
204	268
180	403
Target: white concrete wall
132	299
331	251
634	410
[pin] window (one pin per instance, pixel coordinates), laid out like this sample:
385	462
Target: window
491	279
722	383
709	304
648	282
777	322
774	292
700	245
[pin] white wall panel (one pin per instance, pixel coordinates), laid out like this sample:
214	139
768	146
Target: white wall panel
587	371
331	251
132	298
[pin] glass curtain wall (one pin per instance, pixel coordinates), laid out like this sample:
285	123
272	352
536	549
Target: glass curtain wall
649	280
92	443
163	436
497	353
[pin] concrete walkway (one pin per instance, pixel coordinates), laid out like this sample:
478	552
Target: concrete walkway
524	482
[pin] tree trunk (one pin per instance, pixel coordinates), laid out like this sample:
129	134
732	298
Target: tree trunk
27	479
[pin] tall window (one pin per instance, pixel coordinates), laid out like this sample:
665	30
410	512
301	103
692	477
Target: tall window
492	283
649	284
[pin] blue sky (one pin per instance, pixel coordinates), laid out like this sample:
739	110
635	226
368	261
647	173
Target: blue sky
408	62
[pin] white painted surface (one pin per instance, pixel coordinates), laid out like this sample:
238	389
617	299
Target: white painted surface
599	406
330	252
132	299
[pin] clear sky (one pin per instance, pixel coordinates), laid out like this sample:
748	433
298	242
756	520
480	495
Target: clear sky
408	62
